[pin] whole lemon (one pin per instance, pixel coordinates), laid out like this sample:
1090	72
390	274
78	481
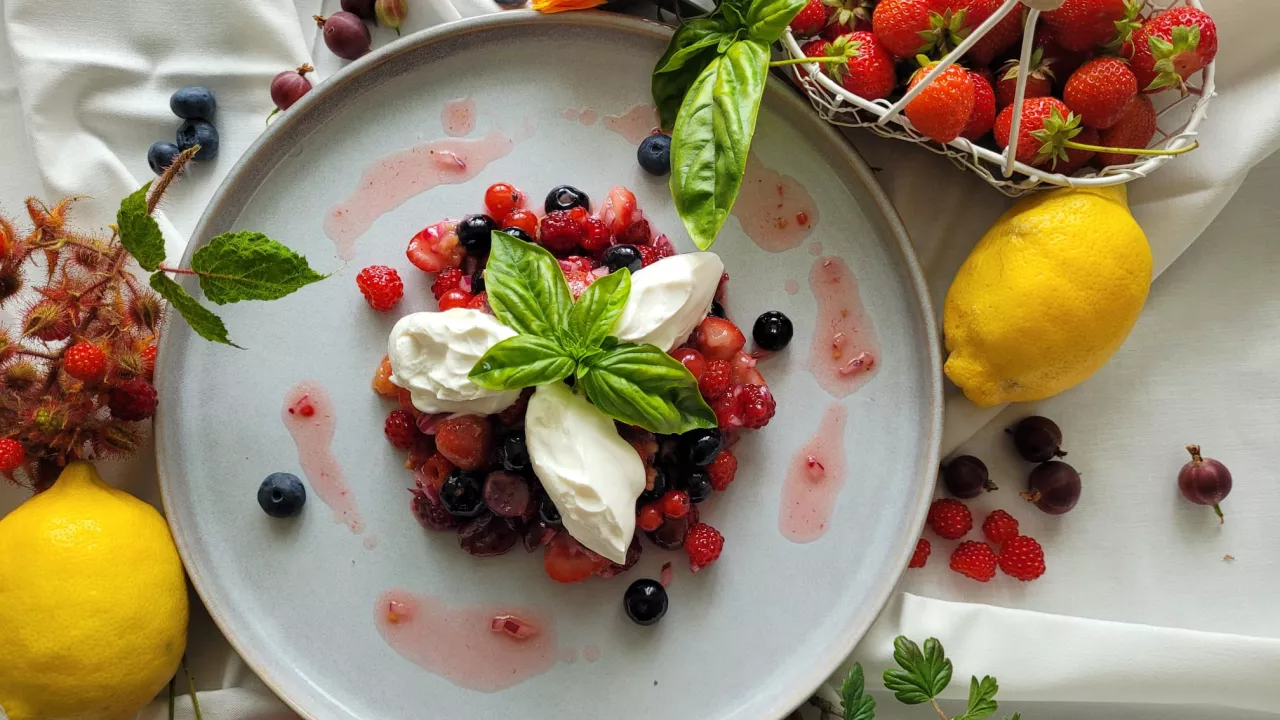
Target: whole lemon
1047	296
93	604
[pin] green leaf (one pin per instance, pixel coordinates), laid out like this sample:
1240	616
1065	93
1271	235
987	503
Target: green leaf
857	704
923	675
712	135
689	40
201	319
982	698
1015	716
734	11
248	265
592	317
642	385
525	287
766	19
139	232
520	362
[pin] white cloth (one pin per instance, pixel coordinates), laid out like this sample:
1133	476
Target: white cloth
88	89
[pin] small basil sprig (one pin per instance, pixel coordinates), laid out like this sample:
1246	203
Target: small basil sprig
707	87
635	384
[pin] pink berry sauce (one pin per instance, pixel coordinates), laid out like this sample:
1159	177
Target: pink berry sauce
774	209
814	478
458	116
635	124
309	416
844	354
584	115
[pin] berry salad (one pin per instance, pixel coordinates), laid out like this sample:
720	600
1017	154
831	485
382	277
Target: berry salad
580	387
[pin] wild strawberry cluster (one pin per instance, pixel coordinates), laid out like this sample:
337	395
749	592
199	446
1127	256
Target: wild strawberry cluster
1094	67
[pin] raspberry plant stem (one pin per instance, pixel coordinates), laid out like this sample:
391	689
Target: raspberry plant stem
177	271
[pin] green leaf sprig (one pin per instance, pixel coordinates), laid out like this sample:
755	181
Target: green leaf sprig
557	337
920	677
233	266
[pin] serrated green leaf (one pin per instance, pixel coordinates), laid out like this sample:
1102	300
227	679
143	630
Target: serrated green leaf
201	319
139	232
248	265
520	362
642	385
923	675
525	287
1015	716
592	317
856	704
982	698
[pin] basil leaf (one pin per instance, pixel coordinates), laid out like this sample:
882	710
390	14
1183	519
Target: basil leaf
520	362
592	317
641	385
670	88
735	11
712	135
766	19
689	39
525	287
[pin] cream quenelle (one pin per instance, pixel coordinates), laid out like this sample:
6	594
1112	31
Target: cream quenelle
431	354
669	298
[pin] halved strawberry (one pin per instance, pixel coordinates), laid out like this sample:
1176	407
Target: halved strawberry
619	209
436	247
567	561
719	339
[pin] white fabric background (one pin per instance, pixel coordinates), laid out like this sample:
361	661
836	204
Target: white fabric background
83	92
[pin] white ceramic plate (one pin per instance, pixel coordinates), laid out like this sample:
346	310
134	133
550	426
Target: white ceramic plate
748	638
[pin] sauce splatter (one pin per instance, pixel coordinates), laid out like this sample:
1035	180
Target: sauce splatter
815	248
769	208
459	644
814	478
666	575
791	286
394	178
370	542
584	115
309	416
635	124
591	653
843	355
458	116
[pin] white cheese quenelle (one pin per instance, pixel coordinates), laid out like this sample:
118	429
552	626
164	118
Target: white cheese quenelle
431	354
669	298
591	474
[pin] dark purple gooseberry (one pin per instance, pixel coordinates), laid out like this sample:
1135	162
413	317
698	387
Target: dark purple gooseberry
1037	439
1204	481
489	535
508	494
345	34
359	8
289	86
966	477
671	535
633	557
430	513
1054	487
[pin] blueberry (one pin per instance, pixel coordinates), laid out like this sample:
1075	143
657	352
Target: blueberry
772	330
474	232
654	154
462	494
202	133
717	310
566	197
645	601
513	454
518	233
477	282
161	155
282	495
699	486
659	488
623	256
193	103
548	513
699	447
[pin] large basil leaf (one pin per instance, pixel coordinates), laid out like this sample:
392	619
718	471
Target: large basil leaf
712	135
520	362
525	287
766	19
735	11
689	39
592	317
670	88
642	385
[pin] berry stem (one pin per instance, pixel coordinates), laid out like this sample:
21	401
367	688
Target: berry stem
1129	151
191	689
36	353
1218	510
934	703
801	61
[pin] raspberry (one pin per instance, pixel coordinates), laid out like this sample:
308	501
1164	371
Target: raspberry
466	440
692	360
560	232
448	279
715	379
85	361
401	429
921	555
595	235
664	247
950	518
576	263
758	406
637	233
132	400
11	454
675	504
648	255
1022	558
1000	527
974	560
149	361
728	409
650	518
432	475
381	286
722	470
481	302
704	543
457	298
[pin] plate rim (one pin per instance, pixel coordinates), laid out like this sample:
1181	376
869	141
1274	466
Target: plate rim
778	91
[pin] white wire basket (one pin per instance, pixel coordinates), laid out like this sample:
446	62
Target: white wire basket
1178	115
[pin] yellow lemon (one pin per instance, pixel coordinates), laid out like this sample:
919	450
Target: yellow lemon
93	605
1047	296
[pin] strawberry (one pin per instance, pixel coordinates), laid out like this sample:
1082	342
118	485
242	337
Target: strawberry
1134	129
810	20
1063	61
436	247
719	339
1172	46
1100	91
868	73
1046	123
1039	79
907	28
999	38
1076	158
984	108
567	561
847	16
1082	25
941	111
1121	43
